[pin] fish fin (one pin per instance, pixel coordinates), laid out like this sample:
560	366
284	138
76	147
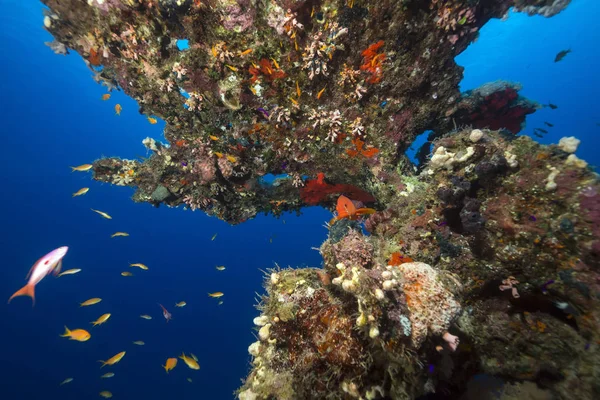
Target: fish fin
27	290
365	211
67	331
57	268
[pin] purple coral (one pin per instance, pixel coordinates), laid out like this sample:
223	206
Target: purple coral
589	203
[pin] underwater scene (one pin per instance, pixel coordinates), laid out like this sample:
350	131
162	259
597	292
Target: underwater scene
300	199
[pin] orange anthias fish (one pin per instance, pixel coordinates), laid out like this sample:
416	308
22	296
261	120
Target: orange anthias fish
102	319
170	364
166	314
118	109
113	360
81	335
90	302
359	144
51	262
189	361
346	209
106	96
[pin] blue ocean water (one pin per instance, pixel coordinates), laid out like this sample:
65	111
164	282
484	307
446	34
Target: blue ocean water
52	118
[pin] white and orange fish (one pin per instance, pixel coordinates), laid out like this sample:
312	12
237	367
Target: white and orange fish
166	314
51	262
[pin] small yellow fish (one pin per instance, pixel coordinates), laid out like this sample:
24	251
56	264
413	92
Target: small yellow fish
213	137
152	120
231	159
140	266
181	304
107	375
295	44
253	90
113	360
190	362
220	267
126	273
234	69
68	380
139	343
106	96
245	52
294	101
119	234
69	272
214	236
81	192
216	153
82	168
298	91
103	214
103	318
106	394
275	63
214	51
145	316
118	109
170	364
194	357
216	294
320	93
90	302
80	335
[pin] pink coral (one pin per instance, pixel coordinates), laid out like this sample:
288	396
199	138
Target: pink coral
354	250
239	17
432	305
225	167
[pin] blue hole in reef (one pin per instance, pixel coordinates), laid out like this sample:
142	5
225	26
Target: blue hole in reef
268	179
413	150
183	44
184	93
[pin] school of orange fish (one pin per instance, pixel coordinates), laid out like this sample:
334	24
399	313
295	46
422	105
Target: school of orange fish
52	263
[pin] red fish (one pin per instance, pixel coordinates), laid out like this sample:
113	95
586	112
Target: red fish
51	262
166	314
346	209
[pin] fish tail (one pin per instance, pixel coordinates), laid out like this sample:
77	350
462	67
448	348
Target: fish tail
103	363
67	332
27	290
165	367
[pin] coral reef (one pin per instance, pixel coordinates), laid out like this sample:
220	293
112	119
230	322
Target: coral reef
281	87
478	267
505	284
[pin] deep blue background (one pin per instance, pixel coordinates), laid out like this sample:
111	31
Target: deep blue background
52	117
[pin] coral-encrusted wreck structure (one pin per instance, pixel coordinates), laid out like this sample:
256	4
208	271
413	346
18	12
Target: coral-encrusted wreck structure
478	270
